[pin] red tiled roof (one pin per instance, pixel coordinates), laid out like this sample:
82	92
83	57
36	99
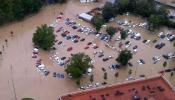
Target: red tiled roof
127	91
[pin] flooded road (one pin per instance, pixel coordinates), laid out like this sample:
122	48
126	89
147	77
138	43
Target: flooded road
19	78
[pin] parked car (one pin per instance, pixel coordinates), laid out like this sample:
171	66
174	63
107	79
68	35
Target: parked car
69	49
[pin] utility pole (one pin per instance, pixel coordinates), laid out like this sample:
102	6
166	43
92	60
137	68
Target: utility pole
14	91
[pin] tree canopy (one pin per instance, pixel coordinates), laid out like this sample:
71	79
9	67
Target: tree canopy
78	65
157	15
108	11
44	37
111	31
124	57
17	9
97	22
123	34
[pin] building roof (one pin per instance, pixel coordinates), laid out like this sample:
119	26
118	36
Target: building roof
155	88
85	16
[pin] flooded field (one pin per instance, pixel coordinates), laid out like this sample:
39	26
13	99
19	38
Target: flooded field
18	74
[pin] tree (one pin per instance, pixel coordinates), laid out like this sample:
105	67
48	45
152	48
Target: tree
123	34
111	31
122	6
124	57
154	21
97	22
44	37
91	78
108	11
78	65
60	1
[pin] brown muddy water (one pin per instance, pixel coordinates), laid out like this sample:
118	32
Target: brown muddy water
19	77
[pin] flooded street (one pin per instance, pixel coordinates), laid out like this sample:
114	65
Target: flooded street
20	78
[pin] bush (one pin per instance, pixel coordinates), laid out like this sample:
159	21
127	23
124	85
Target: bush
44	37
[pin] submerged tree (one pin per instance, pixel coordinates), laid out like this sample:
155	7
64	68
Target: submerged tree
44	37
123	34
108	11
111	31
97	22
124	57
79	63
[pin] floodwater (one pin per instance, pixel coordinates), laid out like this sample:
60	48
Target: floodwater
19	78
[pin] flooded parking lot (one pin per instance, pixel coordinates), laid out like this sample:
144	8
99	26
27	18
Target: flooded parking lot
20	78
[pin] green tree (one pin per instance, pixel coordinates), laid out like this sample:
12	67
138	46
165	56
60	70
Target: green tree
60	1
111	31
97	22
154	21
122	5
123	34
44	37
108	11
78	65
124	57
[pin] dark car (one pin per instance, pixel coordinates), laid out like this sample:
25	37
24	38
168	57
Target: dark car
159	46
165	56
54	74
74	27
63	35
100	55
60	42
95	47
89	43
46	73
68	37
135	47
62	58
130	64
75	41
82	39
105	59
115	66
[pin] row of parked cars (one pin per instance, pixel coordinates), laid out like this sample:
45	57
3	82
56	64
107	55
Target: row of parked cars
41	68
168	36
82	29
169	55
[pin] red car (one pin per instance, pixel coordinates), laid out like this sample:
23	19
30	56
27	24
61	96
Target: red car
69	49
86	47
66	32
59	17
